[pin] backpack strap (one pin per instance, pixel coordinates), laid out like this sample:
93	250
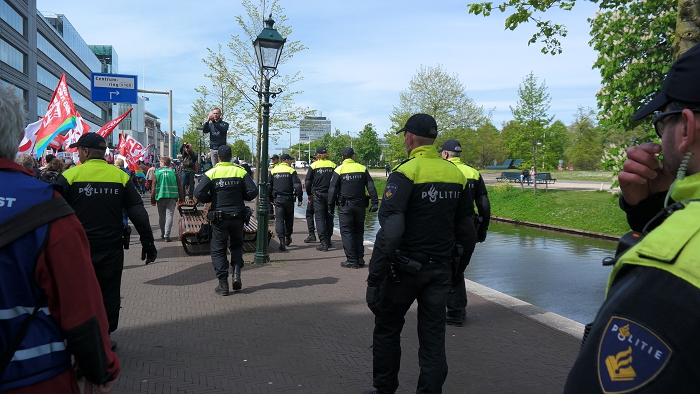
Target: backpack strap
32	218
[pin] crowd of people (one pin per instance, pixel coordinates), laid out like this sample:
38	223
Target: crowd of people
642	339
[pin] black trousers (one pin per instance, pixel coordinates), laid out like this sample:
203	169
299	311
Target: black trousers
457	296
284	217
310	217
109	264
351	218
228	232
429	287
324	221
187	180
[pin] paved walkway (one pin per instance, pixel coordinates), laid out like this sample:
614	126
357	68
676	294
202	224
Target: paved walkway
300	325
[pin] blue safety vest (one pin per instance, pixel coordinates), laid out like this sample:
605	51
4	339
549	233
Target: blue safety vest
42	354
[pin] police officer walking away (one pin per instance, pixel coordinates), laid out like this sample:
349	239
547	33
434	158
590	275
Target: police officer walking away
98	191
347	188
426	213
217	130
226	186
284	185
457	295
318	180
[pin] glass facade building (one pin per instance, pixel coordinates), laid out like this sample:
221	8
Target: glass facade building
313	128
36	49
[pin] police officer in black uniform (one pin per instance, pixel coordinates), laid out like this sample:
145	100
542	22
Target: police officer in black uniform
318	180
284	185
227	186
217	130
426	213
97	192
457	295
310	215
347	188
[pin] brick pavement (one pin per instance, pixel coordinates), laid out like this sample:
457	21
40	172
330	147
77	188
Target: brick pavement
300	325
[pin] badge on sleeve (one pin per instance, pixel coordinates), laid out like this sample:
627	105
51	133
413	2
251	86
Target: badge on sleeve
390	190
630	356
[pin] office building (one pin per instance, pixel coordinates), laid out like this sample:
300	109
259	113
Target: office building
36	49
313	128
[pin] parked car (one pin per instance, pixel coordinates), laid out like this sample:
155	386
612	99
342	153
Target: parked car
301	164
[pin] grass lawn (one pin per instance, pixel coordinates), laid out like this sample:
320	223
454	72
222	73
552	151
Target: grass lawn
595	176
583	210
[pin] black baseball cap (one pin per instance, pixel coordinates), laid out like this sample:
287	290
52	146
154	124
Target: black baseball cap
451	146
274	157
224	150
90	140
285	157
682	83
421	125
348	152
321	149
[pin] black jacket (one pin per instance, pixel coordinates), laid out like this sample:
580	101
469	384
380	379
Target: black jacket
217	133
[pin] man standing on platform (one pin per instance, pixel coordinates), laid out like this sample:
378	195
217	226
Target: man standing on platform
347	188
457	295
227	186
217	130
426	213
284	185
318	180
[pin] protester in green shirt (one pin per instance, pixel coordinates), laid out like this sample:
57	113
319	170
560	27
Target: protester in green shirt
165	192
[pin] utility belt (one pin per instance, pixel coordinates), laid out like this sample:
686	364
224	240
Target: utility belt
343	201
217	217
285	197
411	262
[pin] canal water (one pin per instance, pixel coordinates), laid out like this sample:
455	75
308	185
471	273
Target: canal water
558	272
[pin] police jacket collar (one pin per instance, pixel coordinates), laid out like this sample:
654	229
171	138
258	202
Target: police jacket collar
455	160
427	151
224	164
348	160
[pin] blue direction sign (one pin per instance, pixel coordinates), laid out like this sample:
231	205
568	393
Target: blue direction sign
114	88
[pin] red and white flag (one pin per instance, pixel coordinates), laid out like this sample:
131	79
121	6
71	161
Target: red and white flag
60	116
29	140
74	134
107	129
131	149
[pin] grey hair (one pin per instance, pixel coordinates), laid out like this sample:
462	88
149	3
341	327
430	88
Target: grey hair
25	161
451	153
12	116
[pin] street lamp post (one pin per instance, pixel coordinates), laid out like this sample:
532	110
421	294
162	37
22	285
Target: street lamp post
268	49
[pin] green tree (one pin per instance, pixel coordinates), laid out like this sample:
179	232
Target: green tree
515	144
586	141
241	150
239	71
554	143
488	145
434	92
531	113
366	145
200	109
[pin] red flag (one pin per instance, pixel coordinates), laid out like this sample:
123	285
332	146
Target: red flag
27	144
107	129
60	116
131	149
57	142
73	135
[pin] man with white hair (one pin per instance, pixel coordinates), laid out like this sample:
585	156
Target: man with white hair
44	315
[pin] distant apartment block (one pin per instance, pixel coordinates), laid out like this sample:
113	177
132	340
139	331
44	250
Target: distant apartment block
313	128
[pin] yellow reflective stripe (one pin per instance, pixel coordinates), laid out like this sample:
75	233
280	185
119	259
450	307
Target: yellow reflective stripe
468	172
226	170
282	168
96	170
323	163
348	166
428	167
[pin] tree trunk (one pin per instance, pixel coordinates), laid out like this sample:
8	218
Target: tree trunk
534	163
687	27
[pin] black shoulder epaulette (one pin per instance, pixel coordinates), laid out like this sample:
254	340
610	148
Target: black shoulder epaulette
402	163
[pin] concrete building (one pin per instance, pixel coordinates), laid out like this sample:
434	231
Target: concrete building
36	49
313	128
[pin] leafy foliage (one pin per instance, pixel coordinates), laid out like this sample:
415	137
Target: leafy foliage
633	40
241	150
530	113
586	141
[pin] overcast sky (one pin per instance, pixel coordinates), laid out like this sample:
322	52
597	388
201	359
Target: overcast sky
361	55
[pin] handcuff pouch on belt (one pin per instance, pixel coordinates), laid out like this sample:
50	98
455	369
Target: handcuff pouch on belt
405	264
217	217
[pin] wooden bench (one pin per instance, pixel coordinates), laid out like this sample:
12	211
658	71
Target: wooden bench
510	177
191	221
544	177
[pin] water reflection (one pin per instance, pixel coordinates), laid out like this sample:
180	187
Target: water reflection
558	272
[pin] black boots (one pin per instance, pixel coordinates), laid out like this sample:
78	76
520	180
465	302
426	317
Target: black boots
222	288
236	285
310	238
289	240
